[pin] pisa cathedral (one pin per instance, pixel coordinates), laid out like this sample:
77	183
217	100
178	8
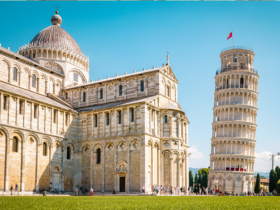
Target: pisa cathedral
60	131
234	125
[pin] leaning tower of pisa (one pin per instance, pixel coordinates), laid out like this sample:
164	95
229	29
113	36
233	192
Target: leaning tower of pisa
234	125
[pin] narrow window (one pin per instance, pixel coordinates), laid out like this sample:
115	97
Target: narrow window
84	96
45	149
132	114
241	82
168	91
76	77
235	58
95	117
101	94
15	74
98	156
120	117
15	144
66	95
5	102
152	116
165	119
120	90
35	111
20	107
66	119
68	153
142	86
33	81
34	55
55	116
107	118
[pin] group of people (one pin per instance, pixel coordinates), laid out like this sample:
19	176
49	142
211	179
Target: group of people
167	190
83	192
12	189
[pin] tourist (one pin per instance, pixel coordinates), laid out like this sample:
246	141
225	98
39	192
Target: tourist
171	190
156	189
167	189
11	189
143	189
160	189
81	190
91	192
77	191
16	187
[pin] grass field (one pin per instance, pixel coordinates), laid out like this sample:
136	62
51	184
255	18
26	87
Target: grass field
140	202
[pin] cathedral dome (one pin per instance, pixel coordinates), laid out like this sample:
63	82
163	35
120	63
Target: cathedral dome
56	37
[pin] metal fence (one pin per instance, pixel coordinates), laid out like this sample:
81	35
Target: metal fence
237	47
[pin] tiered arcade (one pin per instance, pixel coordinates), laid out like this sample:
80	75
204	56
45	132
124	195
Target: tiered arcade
234	125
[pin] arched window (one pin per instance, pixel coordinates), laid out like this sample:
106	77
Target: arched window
142	85
241	82
15	74
165	119
120	90
101	94
45	149
84	96
33	81
66	95
68	153
235	58
15	144
98	156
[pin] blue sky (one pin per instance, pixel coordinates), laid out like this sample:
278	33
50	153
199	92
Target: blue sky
119	37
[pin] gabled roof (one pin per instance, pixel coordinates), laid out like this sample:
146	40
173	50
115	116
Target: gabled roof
116	104
169	105
167	70
32	95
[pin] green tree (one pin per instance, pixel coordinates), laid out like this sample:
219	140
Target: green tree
276	168
190	178
278	173
196	187
258	184
203	176
272	180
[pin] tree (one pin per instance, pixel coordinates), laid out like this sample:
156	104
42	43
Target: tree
196	187
272	180
190	178
258	184
278	173
203	173
276	168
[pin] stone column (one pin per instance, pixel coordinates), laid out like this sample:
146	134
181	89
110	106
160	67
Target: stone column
9	108
17	107
103	171
171	127
37	167
171	171
150	120
1	102
7	164
128	169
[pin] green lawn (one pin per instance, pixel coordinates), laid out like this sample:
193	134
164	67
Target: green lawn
140	202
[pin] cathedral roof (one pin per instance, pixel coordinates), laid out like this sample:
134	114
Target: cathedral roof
116	104
169	105
31	95
56	37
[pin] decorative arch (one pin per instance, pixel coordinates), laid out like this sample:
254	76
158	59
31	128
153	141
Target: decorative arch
78	72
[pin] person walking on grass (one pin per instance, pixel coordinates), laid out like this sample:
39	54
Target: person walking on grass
11	189
16	187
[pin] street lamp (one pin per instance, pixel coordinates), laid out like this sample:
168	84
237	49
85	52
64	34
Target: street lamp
272	157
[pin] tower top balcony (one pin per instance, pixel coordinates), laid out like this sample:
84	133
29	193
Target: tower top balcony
237	48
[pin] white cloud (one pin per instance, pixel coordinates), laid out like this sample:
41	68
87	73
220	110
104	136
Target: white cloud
263	161
263	156
195	154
